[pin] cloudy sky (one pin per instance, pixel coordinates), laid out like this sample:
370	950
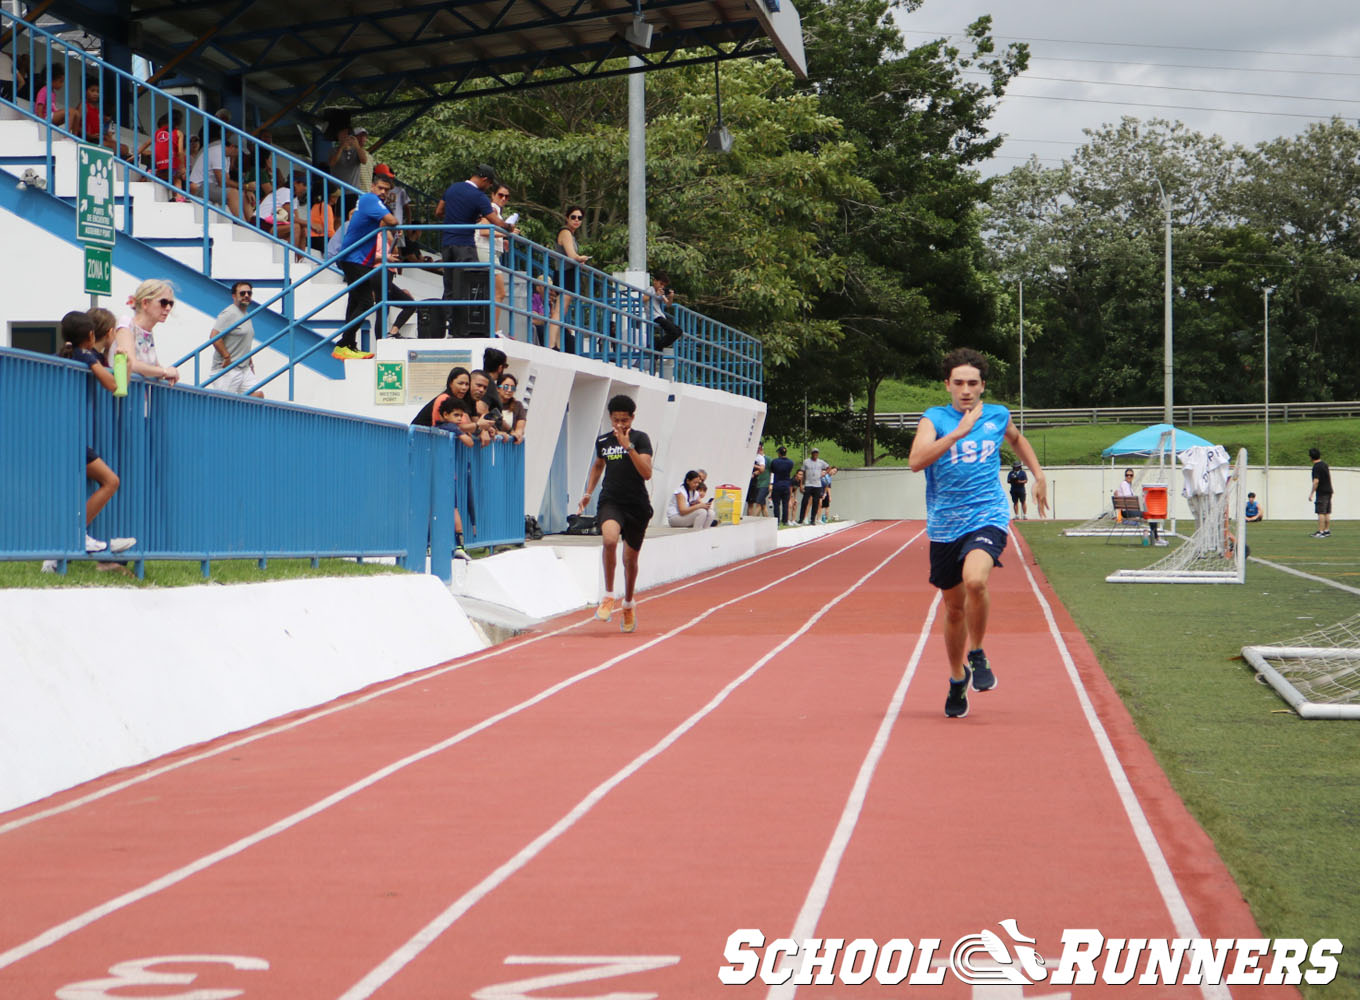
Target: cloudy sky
1247	70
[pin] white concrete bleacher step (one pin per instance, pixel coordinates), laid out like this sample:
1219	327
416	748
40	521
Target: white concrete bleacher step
176	228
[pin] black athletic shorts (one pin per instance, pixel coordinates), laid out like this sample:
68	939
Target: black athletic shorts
632	521
1322	504
946	558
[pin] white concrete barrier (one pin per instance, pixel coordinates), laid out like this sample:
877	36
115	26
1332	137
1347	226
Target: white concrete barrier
99	679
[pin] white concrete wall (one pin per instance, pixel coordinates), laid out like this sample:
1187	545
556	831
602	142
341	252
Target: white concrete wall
1078	493
184	665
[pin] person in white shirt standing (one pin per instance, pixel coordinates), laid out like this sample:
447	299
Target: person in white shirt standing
236	344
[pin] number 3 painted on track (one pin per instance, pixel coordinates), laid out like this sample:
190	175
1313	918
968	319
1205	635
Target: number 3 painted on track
138	972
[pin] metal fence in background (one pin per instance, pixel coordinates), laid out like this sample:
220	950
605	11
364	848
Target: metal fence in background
208	475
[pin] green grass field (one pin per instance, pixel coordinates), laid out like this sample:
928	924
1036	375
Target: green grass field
1279	796
171	573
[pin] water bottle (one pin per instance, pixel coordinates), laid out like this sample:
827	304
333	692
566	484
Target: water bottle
120	374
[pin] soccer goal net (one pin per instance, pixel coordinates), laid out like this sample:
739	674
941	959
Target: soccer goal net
1318	674
1155	469
1216	552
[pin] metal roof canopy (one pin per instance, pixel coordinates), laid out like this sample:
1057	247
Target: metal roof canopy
371	54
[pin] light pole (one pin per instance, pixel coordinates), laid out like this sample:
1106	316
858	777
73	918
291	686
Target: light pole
1265	489
1167	367
1022	356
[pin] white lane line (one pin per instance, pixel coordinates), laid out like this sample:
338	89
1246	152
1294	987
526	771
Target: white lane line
1175	903
1307	576
90	916
348	702
428	934
806	923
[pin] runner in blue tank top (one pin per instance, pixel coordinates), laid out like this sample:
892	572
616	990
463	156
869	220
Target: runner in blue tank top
967	515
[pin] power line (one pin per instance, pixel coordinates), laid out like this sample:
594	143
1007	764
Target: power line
1170	107
1143	45
1158	86
1217	69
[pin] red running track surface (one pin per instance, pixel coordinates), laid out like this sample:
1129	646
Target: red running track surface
590	814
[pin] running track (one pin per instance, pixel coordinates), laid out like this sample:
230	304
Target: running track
768	751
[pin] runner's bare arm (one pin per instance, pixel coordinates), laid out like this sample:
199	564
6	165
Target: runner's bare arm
593	480
926	448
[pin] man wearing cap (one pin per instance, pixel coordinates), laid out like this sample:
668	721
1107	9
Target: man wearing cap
813	467
397	200
465	204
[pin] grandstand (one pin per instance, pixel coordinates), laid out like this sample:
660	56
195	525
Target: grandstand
704	400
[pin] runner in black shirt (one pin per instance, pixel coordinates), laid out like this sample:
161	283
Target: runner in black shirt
624	457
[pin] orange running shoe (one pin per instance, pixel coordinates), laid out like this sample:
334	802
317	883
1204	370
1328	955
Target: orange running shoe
628	623
606	609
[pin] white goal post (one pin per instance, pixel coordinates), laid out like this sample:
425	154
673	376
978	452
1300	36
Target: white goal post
1216	552
1156	468
1317	674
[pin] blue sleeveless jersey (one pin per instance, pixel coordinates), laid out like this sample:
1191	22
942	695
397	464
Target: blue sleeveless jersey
963	486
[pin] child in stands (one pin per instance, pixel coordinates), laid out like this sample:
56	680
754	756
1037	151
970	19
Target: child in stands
81	345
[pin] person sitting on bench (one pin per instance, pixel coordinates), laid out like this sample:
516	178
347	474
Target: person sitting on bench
1125	490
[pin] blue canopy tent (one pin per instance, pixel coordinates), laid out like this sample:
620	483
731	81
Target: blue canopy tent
1145	442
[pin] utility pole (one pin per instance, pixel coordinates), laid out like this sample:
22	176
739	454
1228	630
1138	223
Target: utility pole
1168	396
1022	355
1265	489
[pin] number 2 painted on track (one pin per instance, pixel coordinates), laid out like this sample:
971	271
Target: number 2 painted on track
601	967
138	972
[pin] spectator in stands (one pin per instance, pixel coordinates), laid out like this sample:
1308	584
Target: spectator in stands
781	482
236	343
134	333
488	407
51	100
77	331
285	218
687	507
94	127
1253	509
513	413
167	153
19	88
399	202
545	305
464	204
456	388
572	278
322	222
666	331
367	166
494	363
347	157
261	179
795	492
360	264
813	467
1125	491
104	323
209	177
500	194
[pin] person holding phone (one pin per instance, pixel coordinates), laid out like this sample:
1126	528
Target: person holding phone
687	507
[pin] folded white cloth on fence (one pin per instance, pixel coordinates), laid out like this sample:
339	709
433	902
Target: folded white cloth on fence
1206	470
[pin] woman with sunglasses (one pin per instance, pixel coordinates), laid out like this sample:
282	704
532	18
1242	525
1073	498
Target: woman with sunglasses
134	335
513	413
499	197
571	271
1125	490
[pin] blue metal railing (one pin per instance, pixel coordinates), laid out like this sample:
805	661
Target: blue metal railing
207	475
582	310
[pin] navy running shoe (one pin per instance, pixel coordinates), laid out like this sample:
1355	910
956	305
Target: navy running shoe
956	705
983	677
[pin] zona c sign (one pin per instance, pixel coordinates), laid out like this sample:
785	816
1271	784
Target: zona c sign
98	270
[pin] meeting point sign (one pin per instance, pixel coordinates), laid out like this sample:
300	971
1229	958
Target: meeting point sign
1010	958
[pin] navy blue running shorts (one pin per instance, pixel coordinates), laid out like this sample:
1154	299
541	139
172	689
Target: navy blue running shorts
946	558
